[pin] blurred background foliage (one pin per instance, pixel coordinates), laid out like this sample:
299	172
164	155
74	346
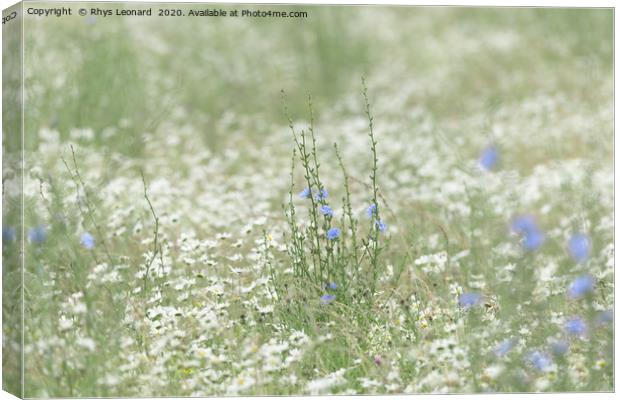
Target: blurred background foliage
116	73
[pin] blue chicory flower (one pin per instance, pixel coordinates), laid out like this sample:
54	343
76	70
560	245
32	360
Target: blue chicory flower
87	240
327	298
581	286
468	300
576	327
489	158
540	361
331	285
326	210
305	194
333	233
322	195
579	247
371	210
533	240
8	234
381	226
504	347
37	235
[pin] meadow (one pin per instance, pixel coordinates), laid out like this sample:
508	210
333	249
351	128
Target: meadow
369	200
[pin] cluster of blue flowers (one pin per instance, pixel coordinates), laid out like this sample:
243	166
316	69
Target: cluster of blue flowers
321	196
371	212
542	360
38	235
334	232
328	298
578	247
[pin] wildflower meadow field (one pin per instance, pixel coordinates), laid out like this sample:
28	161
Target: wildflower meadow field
361	200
